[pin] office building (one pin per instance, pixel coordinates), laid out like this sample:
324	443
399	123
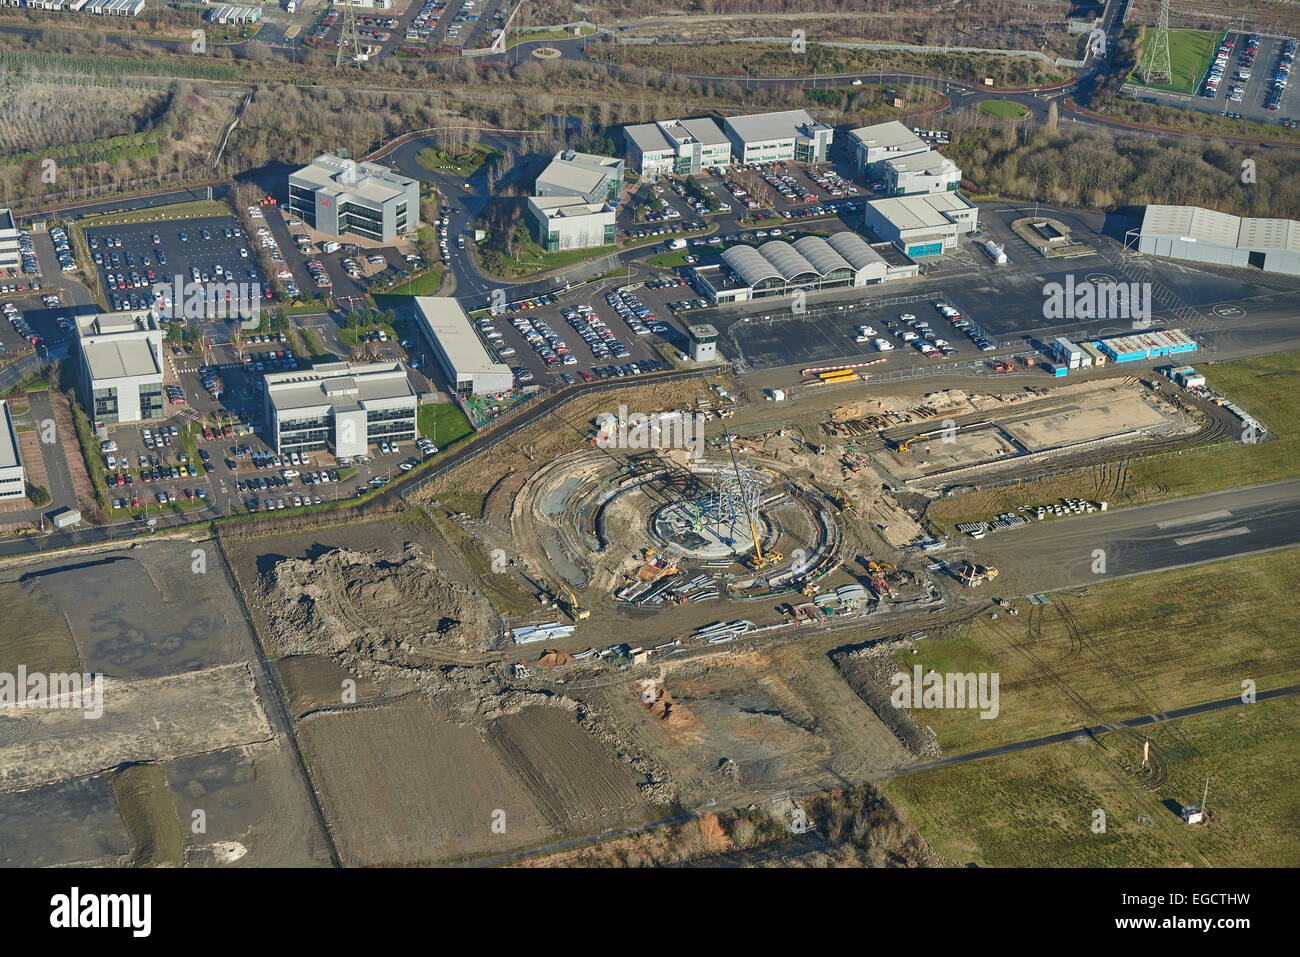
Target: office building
470	369
338	196
339	407
121	366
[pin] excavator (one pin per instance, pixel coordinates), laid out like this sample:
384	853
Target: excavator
576	612
973	574
903	447
842	501
879	584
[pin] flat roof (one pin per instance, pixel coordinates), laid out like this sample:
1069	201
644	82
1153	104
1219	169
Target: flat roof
560	207
577	174
119	358
1192	222
760	127
889	136
445	320
373	182
924	210
339	385
930	161
6	219
10	454
648	137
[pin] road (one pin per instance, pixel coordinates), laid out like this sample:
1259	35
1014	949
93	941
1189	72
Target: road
1062	553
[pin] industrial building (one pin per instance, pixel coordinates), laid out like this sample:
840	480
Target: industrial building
569	222
1187	377
591	178
121	366
787	136
13	480
872	145
778	268
1146	345
921	225
676	147
337	196
10	256
1070	355
920	174
1207	236
469	368
339	407
235	16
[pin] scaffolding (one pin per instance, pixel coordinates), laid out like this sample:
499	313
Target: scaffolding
733	497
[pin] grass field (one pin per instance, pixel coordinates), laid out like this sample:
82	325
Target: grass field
1262	386
443	422
460	161
1003	108
1190	52
425	284
1151	643
147	809
1037	808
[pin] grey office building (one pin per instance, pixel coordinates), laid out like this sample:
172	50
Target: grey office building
338	196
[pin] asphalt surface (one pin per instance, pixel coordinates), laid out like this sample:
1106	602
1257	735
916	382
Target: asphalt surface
1062	553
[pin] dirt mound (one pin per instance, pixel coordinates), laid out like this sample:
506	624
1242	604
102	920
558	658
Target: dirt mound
396	610
551	659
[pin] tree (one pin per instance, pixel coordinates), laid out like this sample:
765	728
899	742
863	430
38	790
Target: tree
38	495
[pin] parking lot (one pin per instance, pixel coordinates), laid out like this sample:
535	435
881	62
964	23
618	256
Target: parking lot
1248	85
131	259
427	24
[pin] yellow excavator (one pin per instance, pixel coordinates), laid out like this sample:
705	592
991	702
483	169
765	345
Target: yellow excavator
879	584
973	574
576	612
904	446
842	501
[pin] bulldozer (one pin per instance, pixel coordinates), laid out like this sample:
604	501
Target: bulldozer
576	612
879	584
974	574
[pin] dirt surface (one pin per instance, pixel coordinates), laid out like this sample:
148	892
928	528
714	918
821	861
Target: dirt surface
358	606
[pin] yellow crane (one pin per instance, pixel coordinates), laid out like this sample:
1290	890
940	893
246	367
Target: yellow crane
576	612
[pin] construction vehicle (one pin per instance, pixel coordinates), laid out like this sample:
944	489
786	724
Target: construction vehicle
904	446
879	584
758	560
842	501
974	574
576	612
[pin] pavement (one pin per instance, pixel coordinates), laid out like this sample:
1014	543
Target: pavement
1140	540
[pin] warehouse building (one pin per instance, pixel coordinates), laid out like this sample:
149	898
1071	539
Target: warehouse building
872	145
337	196
591	178
339	407
1146	345
676	147
13	480
569	222
790	136
121	366
778	268
920	174
469	368
235	16
922	225
10	256
1207	236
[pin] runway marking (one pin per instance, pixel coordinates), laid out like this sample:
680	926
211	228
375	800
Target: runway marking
1193	519
1210	536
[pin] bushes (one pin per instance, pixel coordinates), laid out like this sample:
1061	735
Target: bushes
38	495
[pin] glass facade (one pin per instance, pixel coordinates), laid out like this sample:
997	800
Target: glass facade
151	401
390	425
361	219
105	405
304	435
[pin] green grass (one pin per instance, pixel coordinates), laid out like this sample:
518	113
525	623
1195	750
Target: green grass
1190	52
1036	808
350	335
425	284
549	35
669	260
145	802
458	161
443	422
1005	109
1263	387
531	258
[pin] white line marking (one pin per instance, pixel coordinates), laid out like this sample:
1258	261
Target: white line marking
1193	519
1210	536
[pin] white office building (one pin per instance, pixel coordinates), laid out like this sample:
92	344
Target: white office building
920	173
10	257
872	145
470	369
339	407
569	222
121	366
591	178
676	147
337	196
921	225
790	136
13	480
